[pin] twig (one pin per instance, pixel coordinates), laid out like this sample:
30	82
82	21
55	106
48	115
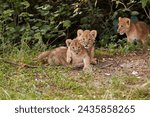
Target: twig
18	64
56	39
111	7
95	3
90	4
146	13
123	4
102	67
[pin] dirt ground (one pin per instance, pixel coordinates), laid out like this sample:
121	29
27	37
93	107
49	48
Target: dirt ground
133	64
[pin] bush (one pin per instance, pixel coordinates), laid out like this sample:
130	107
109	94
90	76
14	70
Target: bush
43	23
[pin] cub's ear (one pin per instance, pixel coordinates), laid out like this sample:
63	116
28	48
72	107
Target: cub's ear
93	33
68	42
79	32
119	18
128	21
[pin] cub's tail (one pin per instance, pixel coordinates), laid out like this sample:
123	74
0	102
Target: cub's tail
43	56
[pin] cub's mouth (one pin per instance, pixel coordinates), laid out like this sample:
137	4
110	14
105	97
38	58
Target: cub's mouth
86	47
121	33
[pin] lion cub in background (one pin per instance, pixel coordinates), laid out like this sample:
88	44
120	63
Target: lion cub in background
135	31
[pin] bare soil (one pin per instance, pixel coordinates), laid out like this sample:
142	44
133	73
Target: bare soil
131	65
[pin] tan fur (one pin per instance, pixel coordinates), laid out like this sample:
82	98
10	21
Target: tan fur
135	31
43	56
77	54
55	56
87	39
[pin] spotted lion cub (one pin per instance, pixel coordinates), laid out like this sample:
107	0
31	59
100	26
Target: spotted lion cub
77	54
135	31
87	39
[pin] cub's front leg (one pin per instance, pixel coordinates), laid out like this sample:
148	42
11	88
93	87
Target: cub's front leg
68	56
93	60
86	62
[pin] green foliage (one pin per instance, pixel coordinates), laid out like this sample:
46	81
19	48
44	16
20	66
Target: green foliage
48	22
144	2
33	23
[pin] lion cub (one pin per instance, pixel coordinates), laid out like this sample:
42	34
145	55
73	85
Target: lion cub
55	56
77	54
87	39
135	31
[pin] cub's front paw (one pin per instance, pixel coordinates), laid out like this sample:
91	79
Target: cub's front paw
94	61
87	69
68	60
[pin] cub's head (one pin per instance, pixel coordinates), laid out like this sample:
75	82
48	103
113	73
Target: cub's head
123	25
87	37
74	46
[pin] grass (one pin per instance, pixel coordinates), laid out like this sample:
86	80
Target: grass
63	83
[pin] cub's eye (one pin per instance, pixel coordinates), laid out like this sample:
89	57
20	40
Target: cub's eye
121	26
79	47
83	39
72	47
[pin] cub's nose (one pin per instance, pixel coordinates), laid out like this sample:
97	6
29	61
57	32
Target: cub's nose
77	52
86	46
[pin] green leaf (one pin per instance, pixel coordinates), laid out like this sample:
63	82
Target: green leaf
25	14
66	23
38	36
144	3
45	7
134	13
26	4
34	27
8	12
